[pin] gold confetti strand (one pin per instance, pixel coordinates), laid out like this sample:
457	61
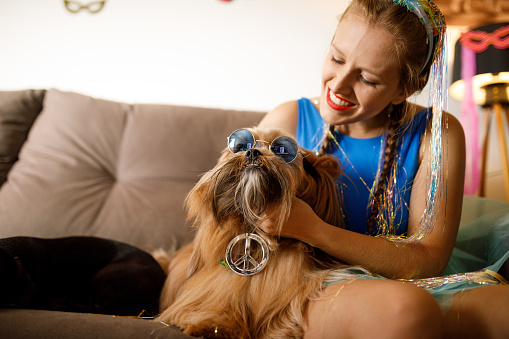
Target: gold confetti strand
483	277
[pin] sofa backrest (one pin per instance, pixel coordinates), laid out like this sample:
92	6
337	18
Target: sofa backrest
18	110
114	170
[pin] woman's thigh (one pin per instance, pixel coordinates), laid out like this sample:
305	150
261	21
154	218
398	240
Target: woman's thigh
372	308
481	312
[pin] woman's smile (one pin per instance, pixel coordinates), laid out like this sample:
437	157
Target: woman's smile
337	103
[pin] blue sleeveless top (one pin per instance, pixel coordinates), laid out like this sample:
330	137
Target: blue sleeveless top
360	160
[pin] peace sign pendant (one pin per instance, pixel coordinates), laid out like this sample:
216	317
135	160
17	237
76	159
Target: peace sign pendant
247	254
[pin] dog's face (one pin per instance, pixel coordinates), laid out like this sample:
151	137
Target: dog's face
250	181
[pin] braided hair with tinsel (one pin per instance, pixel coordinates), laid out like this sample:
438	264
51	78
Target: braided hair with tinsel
393	130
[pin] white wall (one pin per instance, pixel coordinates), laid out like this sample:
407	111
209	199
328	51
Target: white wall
245	54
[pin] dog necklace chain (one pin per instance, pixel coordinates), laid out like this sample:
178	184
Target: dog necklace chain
247	254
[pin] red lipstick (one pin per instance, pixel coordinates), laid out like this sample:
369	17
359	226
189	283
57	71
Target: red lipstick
335	106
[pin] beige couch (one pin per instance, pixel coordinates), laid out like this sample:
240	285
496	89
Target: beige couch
95	167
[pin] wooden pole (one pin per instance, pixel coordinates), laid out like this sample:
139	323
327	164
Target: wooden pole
487	124
497	110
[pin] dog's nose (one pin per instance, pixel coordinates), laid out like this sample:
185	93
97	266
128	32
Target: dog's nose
252	153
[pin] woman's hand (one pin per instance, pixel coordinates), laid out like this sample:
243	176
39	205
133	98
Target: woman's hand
301	225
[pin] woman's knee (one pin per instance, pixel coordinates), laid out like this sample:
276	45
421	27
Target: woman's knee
377	308
414	310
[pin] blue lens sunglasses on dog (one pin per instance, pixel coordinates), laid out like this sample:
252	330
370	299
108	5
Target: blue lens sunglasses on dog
243	140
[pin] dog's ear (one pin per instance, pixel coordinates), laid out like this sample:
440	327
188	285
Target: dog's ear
319	189
210	199
199	200
195	262
310	169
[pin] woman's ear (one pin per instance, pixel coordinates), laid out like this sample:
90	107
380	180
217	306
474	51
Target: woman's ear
399	98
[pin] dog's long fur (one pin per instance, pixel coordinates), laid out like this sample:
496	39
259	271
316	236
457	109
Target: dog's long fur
205	298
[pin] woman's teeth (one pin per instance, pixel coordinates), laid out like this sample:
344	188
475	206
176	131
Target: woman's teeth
338	101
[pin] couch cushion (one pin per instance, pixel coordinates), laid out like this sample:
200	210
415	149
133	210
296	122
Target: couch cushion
97	167
18	110
36	324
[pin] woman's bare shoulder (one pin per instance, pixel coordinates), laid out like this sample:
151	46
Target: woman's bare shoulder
453	136
451	127
284	116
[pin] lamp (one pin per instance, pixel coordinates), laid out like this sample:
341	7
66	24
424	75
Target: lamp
481	77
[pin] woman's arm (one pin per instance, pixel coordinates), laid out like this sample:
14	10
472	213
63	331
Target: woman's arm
440	243
425	258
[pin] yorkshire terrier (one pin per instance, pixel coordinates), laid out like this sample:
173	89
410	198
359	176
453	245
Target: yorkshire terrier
234	280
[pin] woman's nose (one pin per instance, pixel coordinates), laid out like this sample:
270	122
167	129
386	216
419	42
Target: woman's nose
342	82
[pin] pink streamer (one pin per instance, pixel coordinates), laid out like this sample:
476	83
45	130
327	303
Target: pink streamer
470	122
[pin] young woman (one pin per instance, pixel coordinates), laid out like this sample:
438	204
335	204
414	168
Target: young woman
402	188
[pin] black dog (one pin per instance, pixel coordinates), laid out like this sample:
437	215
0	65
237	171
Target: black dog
79	274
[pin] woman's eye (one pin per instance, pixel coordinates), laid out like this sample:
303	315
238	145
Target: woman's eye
369	83
337	61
